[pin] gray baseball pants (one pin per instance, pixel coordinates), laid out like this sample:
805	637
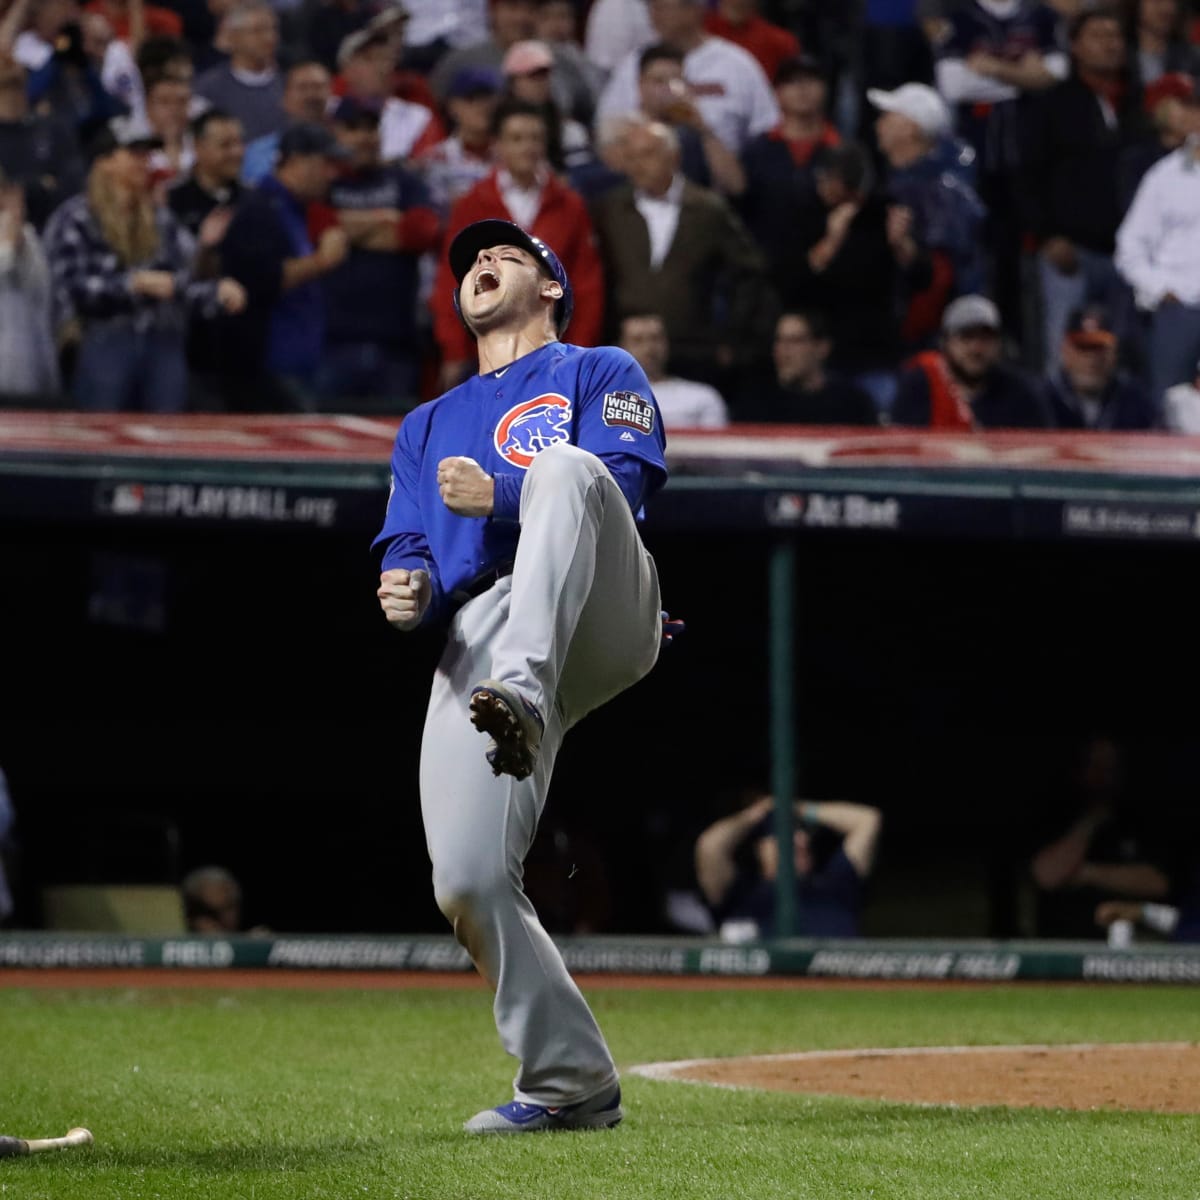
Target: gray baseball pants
576	622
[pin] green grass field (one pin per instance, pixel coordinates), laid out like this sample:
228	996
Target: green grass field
202	1094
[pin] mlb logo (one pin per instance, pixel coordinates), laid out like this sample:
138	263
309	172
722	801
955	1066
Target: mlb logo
627	410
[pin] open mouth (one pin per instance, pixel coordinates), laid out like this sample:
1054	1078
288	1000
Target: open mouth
486	281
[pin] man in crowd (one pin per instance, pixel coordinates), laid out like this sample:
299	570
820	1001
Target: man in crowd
38	151
1158	254
731	90
1087	390
683	403
664	95
307	88
372	347
168	101
274	349
213	182
406	128
856	262
204	202
1075	134
800	391
455	164
964	385
779	181
29	369
523	189
680	250
249	85
994	55
935	201
834	844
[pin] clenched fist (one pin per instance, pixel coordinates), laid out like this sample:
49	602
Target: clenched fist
404	596
466	488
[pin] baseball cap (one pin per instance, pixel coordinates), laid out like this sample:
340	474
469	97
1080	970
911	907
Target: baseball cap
524	58
307	138
474	81
918	102
1090	327
350	110
126	133
388	14
482	234
970	312
359	40
1174	84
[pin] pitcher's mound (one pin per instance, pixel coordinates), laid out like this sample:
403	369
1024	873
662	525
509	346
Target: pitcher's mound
1151	1076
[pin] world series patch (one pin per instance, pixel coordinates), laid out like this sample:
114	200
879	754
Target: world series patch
627	410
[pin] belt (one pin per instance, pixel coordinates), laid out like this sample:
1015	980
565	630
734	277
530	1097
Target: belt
480	583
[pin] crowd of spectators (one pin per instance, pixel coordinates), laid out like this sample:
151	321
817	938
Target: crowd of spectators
952	213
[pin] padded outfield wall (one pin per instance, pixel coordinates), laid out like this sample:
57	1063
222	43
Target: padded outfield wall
190	633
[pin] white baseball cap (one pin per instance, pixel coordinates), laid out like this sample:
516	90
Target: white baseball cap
970	312
918	102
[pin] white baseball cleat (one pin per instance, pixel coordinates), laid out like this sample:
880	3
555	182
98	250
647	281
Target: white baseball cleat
512	722
600	1112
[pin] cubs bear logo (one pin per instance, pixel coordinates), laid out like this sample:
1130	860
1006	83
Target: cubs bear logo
532	426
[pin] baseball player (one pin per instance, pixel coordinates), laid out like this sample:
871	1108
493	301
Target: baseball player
512	517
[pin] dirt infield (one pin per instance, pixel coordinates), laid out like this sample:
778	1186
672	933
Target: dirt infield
1152	1076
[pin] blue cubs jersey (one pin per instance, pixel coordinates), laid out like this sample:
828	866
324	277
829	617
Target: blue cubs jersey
598	399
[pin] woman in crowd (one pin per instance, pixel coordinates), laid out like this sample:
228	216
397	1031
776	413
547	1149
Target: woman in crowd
123	272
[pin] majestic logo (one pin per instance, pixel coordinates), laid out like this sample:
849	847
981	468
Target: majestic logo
531	427
628	410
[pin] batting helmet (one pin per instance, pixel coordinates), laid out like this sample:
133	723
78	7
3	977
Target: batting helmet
483	234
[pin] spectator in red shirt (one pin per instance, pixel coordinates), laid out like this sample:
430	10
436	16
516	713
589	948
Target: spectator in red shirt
523	189
739	21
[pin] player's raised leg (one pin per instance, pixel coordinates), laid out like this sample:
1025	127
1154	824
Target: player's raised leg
584	594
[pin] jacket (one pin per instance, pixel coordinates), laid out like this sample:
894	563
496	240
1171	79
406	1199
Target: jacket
710	289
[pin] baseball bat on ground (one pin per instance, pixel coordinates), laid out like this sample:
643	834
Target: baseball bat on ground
11	1147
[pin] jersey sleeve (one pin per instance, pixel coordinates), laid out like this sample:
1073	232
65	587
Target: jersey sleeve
402	542
619	422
